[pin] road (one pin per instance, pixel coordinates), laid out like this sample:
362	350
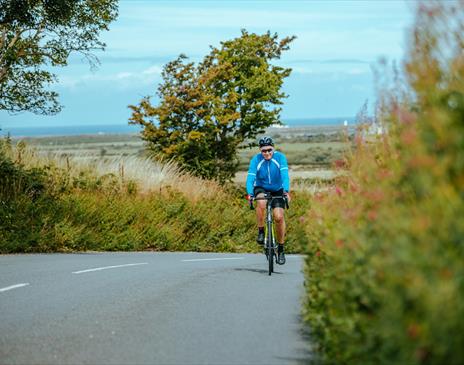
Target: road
150	308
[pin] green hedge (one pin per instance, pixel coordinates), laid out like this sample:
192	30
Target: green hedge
384	272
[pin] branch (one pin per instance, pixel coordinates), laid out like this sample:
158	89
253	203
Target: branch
3	37
4	69
39	30
15	39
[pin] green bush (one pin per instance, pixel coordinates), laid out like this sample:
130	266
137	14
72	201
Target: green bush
26	206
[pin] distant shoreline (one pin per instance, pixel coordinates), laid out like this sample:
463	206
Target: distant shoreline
312	124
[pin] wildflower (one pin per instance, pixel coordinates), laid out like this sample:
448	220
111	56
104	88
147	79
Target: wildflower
409	136
413	330
422	161
384	174
375	196
353	187
319	197
446	274
351	214
407	117
372	215
340	163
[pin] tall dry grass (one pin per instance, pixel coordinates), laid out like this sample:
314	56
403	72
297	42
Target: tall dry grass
146	174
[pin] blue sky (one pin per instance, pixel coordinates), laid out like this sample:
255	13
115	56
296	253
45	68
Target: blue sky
337	44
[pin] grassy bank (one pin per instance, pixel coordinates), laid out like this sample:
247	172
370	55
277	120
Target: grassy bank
60	204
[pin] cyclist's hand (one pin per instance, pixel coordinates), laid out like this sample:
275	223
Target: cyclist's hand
250	199
287	195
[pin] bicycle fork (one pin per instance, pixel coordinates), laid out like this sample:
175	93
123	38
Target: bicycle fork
269	237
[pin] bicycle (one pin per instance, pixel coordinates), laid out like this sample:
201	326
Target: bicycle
270	244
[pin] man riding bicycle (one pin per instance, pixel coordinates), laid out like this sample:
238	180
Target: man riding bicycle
268	172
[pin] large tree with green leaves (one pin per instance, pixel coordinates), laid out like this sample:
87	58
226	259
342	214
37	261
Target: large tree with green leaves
37	34
207	111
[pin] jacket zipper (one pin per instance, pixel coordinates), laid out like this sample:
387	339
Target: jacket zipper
269	172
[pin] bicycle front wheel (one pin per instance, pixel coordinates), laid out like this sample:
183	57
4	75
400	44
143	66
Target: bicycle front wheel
271	259
270	251
270	242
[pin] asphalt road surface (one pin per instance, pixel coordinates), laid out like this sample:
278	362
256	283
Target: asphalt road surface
150	308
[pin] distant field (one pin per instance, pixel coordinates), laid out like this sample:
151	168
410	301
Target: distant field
90	145
310	151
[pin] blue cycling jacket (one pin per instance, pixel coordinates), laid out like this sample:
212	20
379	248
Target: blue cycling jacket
271	175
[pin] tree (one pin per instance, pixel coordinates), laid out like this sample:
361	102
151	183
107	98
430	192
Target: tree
207	111
36	34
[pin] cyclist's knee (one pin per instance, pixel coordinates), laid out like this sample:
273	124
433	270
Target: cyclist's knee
261	203
278	215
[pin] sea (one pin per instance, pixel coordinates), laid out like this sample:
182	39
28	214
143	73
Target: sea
89	129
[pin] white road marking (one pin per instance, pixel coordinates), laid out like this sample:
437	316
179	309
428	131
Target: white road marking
215	259
108	267
13	287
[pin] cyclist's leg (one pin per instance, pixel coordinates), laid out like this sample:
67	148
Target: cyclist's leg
260	214
278	210
279	222
260	206
280	233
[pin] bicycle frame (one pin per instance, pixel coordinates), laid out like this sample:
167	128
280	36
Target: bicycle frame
270	244
270	247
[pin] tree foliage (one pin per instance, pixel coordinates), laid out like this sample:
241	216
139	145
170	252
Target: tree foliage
207	111
36	34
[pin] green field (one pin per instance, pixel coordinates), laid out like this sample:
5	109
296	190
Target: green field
89	145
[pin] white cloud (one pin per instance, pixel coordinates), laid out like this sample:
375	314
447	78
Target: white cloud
302	70
325	68
122	79
123	75
357	71
153	70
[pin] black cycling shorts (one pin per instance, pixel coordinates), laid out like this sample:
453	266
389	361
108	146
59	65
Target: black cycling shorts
276	203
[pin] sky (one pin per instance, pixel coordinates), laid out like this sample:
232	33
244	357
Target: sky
338	43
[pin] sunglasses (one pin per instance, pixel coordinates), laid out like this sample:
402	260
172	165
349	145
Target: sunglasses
269	150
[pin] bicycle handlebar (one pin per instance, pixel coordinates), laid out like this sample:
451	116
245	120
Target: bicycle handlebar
269	198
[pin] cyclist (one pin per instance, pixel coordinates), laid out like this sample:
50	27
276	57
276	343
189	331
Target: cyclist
268	172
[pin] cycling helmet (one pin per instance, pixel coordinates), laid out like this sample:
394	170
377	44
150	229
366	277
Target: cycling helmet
266	141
